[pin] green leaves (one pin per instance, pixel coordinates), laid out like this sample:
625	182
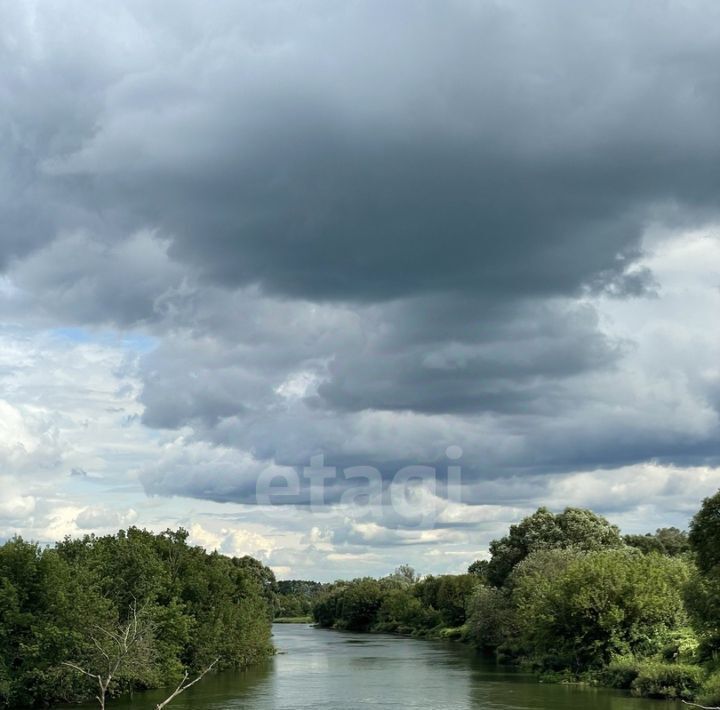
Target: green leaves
53	602
581	609
705	535
394	604
574	528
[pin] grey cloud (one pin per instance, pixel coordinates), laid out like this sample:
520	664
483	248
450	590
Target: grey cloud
368	229
487	149
52	79
79	279
433	355
636	282
508	359
582	422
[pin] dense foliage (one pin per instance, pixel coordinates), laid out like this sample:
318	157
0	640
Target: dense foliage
592	607
567	595
295	597
574	528
56	603
703	596
666	541
640	612
564	594
398	603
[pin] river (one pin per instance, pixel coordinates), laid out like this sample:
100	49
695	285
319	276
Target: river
330	670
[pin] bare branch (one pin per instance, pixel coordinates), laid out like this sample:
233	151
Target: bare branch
118	649
102	652
112	636
184	685
702	707
81	670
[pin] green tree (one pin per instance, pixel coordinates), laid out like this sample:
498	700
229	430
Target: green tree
594	605
703	593
480	569
645	543
54	602
405	575
667	541
403	612
491	618
295	597
574	528
123	650
705	535
360	604
453	598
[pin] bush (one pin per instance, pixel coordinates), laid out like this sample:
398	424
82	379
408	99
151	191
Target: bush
667	680
621	672
491	618
192	606
558	677
580	610
682	646
454	633
710	691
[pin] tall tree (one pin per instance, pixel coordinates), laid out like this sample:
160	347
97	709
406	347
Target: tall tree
705	534
574	528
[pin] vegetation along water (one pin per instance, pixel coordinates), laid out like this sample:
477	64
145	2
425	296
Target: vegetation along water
565	609
317	669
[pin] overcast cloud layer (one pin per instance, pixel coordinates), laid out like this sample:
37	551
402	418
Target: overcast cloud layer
240	234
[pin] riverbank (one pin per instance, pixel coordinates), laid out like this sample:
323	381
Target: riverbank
175	606
293	620
648	679
322	668
567	596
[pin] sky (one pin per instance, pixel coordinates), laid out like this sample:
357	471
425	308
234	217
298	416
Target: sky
346	285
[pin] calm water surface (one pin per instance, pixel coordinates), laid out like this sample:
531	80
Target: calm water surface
322	669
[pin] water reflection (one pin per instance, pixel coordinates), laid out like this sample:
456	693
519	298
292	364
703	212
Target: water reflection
318	669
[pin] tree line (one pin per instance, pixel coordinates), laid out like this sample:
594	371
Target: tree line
100	616
294	599
568	596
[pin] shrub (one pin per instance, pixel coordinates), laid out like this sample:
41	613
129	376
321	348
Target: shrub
667	680
452	632
558	677
579	610
491	618
621	672
682	646
710	691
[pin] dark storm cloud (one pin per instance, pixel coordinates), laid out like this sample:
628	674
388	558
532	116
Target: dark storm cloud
51	87
472	148
360	152
494	358
369	229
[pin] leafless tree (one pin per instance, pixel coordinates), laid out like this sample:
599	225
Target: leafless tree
702	707
118	649
128	647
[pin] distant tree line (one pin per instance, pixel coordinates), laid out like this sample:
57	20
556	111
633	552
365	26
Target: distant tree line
426	607
294	598
125	612
568	596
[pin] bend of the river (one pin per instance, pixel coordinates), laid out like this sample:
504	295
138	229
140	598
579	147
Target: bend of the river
323	670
